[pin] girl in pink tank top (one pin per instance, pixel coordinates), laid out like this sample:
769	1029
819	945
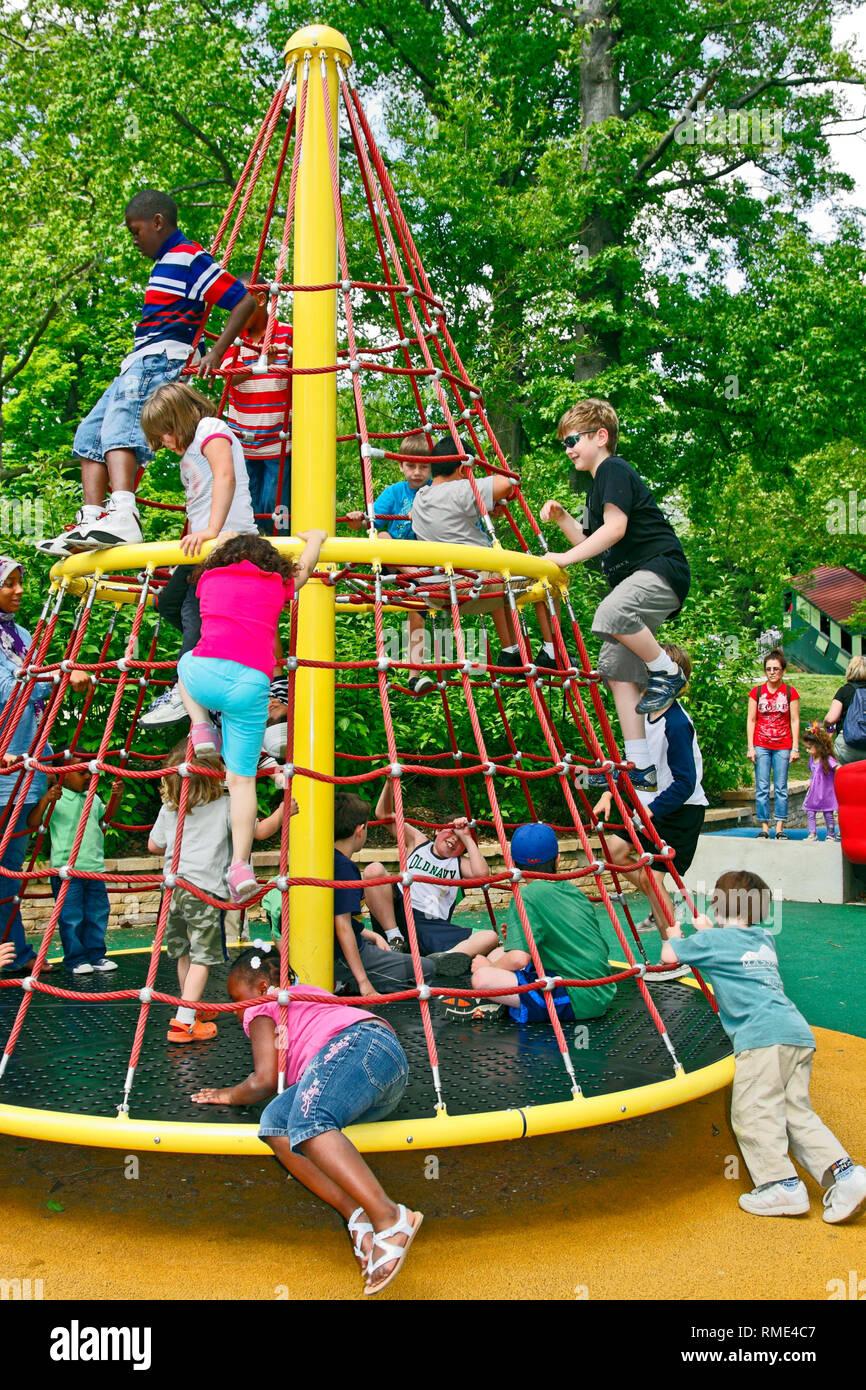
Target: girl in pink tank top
242	588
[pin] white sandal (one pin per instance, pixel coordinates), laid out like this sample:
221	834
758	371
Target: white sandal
357	1230
401	1227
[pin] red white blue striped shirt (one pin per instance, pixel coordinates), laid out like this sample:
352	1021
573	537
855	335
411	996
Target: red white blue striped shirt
259	407
184	279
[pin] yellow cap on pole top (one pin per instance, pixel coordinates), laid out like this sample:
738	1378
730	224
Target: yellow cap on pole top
318	38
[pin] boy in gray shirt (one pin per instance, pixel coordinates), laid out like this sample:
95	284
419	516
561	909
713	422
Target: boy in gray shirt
447	512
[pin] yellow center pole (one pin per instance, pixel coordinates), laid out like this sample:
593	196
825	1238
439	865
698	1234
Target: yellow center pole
314	492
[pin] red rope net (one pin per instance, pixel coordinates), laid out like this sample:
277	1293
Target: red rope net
406	347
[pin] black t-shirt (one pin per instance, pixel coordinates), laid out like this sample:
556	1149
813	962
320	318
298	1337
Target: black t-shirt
347	899
845	694
650	542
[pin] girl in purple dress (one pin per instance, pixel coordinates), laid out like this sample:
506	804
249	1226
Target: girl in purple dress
820	798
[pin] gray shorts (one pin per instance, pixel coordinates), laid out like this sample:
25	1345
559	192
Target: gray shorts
642	600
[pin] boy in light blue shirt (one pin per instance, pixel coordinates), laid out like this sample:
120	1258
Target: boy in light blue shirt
391	511
773	1049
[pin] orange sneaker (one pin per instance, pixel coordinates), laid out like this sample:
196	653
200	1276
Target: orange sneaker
190	1032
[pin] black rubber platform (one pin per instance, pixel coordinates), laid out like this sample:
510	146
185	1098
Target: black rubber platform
73	1056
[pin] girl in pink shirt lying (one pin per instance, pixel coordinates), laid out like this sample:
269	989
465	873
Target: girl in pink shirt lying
243	587
344	1064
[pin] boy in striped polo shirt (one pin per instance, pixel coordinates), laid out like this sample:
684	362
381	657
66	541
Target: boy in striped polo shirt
109	441
259	412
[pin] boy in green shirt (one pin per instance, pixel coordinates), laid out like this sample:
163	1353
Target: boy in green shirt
83	916
565	931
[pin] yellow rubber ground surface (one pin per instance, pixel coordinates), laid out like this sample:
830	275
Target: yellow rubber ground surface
640	1210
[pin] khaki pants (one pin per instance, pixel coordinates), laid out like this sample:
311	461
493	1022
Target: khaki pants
771	1113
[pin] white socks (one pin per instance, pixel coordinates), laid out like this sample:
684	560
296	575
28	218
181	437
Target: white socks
637	752
123	501
511	650
549	648
394	935
186	1016
662	665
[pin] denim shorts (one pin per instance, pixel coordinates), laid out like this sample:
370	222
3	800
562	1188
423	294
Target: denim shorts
360	1074
115	420
240	694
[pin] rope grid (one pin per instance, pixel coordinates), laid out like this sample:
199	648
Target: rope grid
421	351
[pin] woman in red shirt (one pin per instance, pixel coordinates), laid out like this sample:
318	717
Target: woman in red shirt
773	731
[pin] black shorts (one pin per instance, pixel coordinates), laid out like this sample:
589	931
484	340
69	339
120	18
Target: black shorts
680	830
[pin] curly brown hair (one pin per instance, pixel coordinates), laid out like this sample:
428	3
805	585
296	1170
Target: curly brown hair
821	740
253	547
201	789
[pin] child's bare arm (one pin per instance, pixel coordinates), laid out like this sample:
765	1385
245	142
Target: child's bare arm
34	818
669	955
262	1080
385	812
308	558
270	824
351	954
554	511
613	530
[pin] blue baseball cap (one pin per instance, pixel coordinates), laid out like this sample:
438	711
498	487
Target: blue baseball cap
535	843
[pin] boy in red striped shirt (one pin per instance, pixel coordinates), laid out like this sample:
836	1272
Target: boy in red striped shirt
260	412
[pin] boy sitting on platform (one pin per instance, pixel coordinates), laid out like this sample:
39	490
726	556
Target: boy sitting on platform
450	855
566	932
771	1112
395	503
447	512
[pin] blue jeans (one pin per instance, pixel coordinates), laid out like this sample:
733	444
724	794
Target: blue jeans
83	920
264	474
240	693
360	1074
11	926
115	420
778	759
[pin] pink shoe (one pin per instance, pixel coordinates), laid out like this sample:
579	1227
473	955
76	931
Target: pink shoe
205	738
242	882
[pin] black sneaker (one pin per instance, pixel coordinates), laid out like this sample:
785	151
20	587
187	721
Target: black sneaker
398	944
662	688
451	965
509	659
642	779
421	685
470	1010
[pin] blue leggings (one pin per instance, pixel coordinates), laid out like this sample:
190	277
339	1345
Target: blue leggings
241	696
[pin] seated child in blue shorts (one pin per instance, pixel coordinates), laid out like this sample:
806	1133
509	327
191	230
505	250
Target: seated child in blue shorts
771	1112
566	933
344	1066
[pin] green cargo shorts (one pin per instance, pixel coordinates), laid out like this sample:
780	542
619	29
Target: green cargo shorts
194	929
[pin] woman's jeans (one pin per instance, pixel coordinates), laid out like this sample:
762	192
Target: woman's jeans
778	759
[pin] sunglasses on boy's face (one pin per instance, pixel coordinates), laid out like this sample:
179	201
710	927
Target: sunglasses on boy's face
571	439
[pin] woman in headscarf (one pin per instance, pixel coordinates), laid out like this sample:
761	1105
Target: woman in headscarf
14	645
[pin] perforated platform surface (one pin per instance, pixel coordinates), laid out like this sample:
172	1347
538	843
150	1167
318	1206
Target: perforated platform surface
72	1056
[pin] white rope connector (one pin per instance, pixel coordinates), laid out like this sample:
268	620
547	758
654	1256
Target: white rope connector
489	769
66	665
409	291
345	285
516	875
405	342
93	766
142	682
169	878
281	883
288	770
63	871
284	434
466	415
122	665
273	288
395	770
183	769
457	755
597	867
645	859
424	992
260	366
283	996
123	754
29	763
407	879
291	663
145	995
641	971
27	983
354	365
549	983
383	663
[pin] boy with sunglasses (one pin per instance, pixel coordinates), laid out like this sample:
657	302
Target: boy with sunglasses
644	564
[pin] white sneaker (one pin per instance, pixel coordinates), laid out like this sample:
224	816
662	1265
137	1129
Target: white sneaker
104	964
119	526
69	541
676	972
777	1200
167	708
846	1198
85	968
811	839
